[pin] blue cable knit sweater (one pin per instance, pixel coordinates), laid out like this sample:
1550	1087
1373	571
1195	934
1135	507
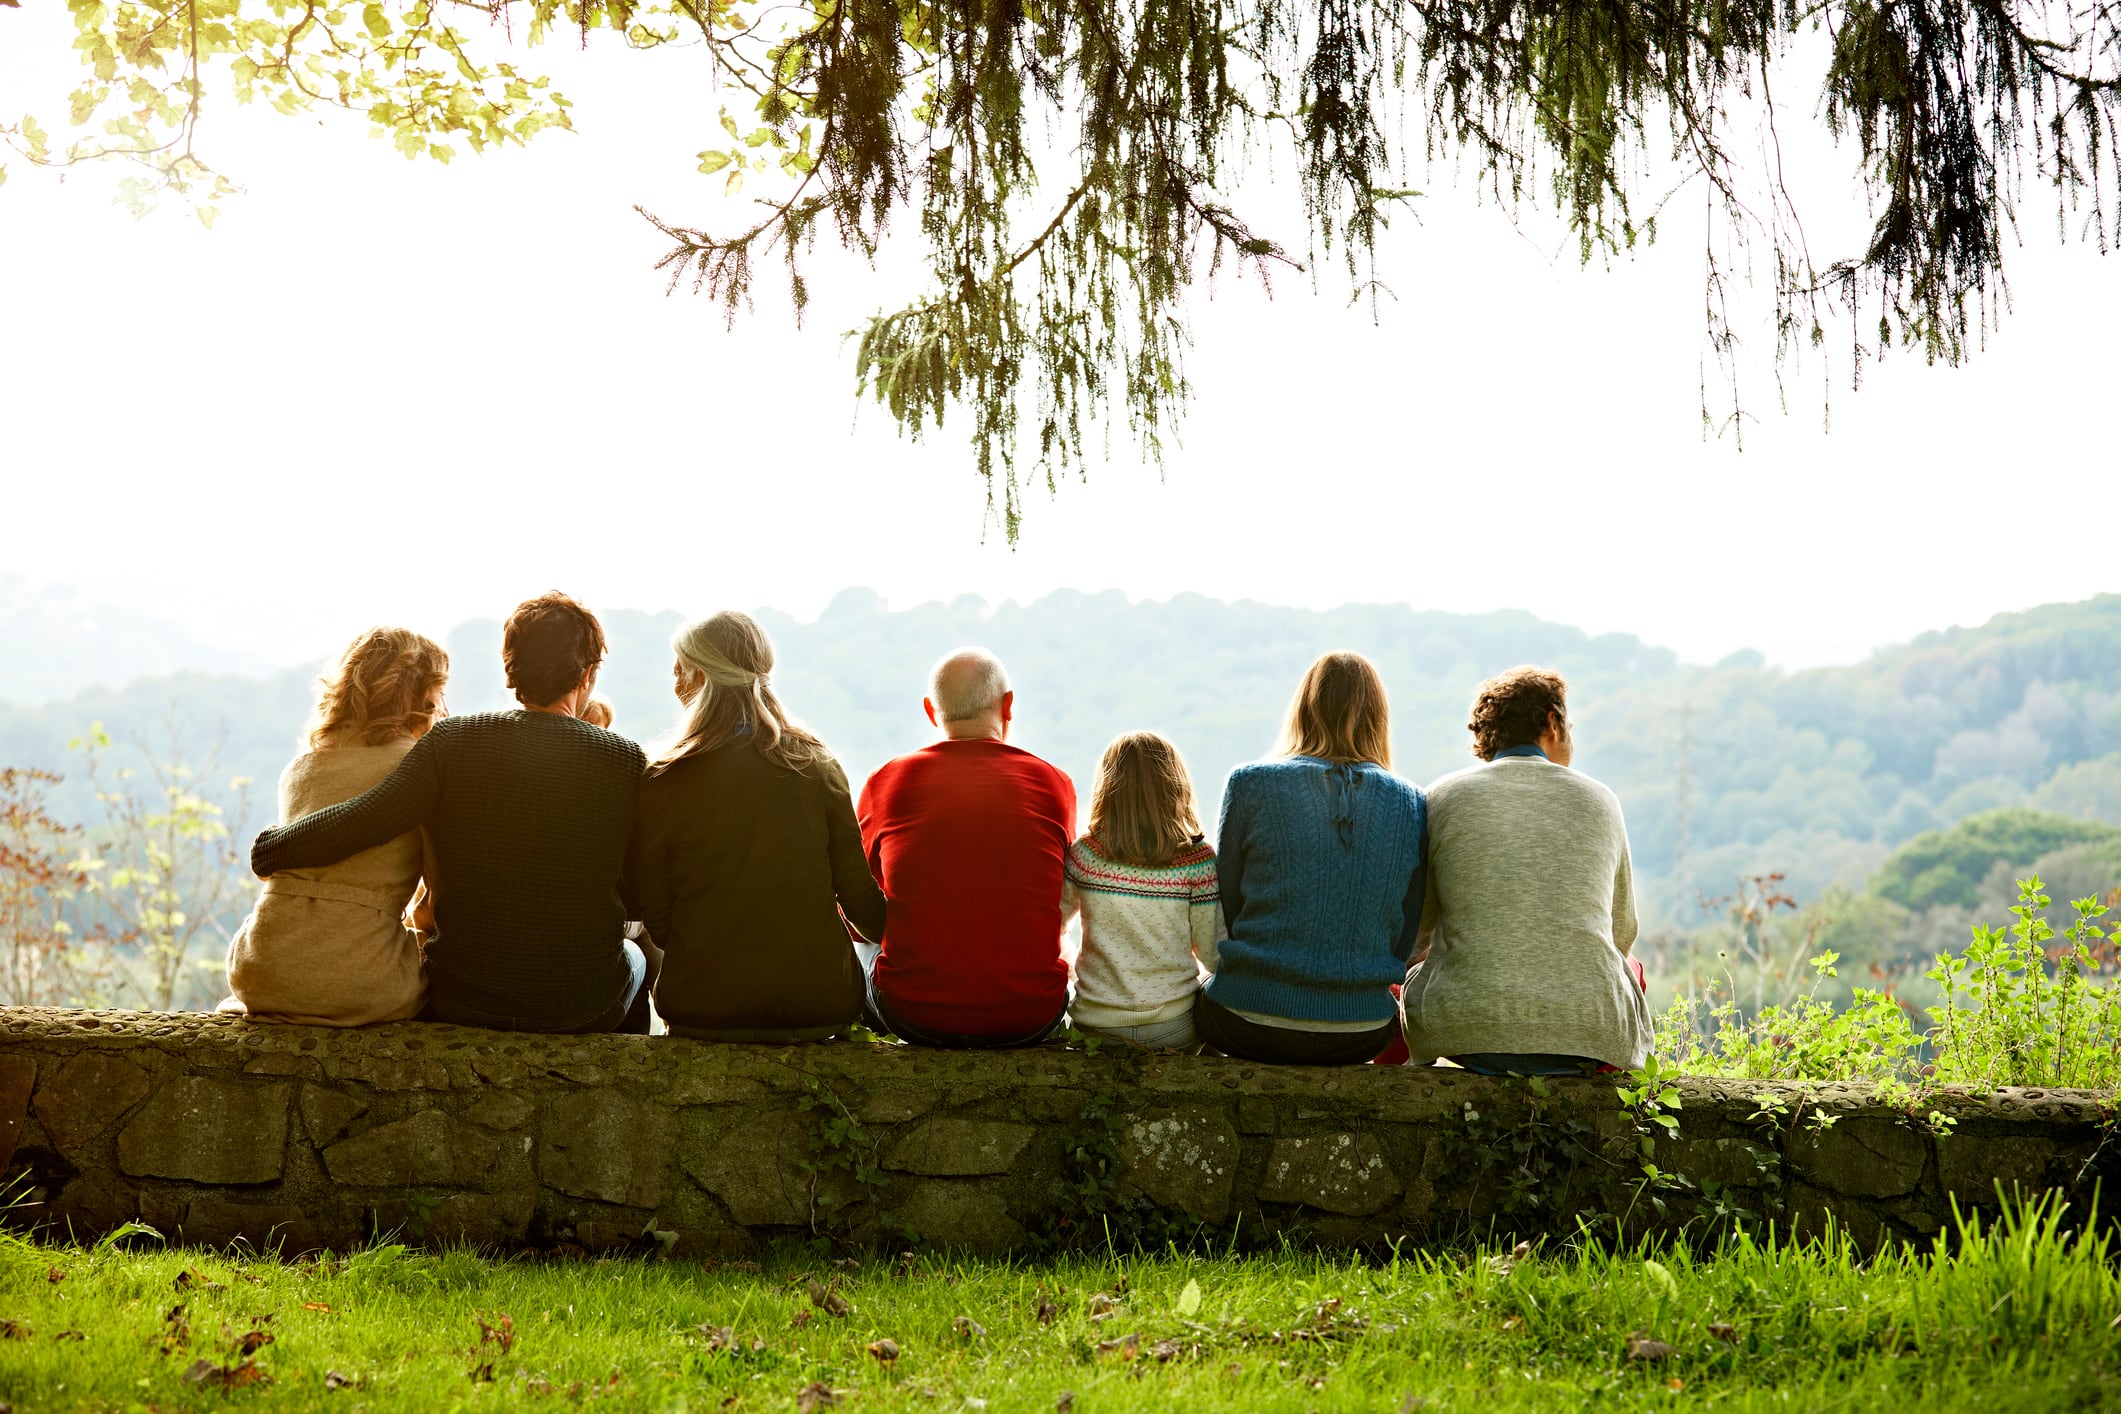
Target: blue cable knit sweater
1320	868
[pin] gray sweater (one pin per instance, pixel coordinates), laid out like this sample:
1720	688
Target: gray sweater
1530	909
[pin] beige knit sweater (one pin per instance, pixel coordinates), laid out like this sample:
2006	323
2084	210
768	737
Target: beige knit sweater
328	946
1530	911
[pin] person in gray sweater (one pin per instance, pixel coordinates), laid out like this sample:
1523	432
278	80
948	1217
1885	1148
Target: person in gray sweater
1529	912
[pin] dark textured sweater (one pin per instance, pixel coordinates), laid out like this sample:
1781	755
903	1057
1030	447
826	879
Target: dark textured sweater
531	816
744	869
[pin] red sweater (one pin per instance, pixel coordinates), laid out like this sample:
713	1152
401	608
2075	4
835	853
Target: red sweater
969	839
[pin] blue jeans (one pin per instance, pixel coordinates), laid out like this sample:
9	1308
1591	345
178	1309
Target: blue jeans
628	1014
1173	1035
878	1016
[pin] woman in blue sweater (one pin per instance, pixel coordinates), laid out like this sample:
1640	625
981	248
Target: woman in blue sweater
1320	868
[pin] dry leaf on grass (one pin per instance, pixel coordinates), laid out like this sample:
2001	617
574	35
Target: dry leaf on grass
1066	1403
333	1380
847	1264
70	1335
481	1373
1724	1331
14	1330
1165	1351
830	1301
502	1332
1046	1310
718	1337
253	1340
1641	1346
802	1318
1102	1304
816	1395
189	1279
316	1306
1126	1347
1675	1384
967	1328
885	1349
213	1375
55	1276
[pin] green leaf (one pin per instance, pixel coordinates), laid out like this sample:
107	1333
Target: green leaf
377	22
713	161
730	123
207	215
1189	1299
735	183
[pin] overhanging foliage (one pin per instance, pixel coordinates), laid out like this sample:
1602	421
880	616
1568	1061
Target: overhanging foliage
1070	162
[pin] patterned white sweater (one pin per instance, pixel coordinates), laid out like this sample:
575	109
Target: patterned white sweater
1148	934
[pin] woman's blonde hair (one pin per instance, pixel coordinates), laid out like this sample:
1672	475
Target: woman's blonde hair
1142	811
380	690
1339	713
732	658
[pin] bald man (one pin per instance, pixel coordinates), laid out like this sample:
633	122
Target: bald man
968	837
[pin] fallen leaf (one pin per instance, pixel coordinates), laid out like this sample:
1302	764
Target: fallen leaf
55	1276
718	1337
14	1330
1503	1264
1642	1347
481	1373
906	1262
1189	1299
1046	1311
967	1328
1066	1403
1233	1369
1102	1304
1723	1331
70	1335
748	1268
253	1340
830	1301
1126	1347
816	1395
207	1372
847	1264
501	1333
802	1318
1164	1351
316	1306
333	1380
885	1349
189	1279
537	1384
1511	1323
1675	1384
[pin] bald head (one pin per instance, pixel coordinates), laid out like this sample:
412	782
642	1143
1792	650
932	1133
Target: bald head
968	695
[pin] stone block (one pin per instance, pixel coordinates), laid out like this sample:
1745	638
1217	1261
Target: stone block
959	1214
1728	1163
86	1096
1255	1114
485	1219
604	1146
898	1106
429	1149
959	1148
326	1113
754	1166
1184	1157
1336	1173
208	1130
92	1203
1861	1157
267	1227
18	1076
500	1109
1969	1166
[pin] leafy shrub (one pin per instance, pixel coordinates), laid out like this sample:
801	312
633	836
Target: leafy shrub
1950	866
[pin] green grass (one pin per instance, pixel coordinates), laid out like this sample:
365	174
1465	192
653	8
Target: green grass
2020	1316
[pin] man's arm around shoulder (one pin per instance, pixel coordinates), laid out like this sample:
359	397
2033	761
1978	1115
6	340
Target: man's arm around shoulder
400	802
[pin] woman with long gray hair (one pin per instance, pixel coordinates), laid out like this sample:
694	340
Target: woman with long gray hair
748	868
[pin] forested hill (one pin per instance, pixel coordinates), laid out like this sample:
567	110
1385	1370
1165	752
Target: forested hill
1725	770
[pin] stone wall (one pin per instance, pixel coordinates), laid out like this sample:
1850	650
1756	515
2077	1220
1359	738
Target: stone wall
213	1129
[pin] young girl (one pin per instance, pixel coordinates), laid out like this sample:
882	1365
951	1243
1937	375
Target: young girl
1144	881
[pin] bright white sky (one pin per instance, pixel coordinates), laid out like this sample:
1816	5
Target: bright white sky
381	390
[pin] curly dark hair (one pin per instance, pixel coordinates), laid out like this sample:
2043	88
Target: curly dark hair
547	645
1513	709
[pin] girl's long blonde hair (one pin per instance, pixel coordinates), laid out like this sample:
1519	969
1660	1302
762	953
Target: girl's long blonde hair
732	658
1339	714
380	690
1142	811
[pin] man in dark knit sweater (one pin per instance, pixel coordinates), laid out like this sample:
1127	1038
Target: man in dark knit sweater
531	815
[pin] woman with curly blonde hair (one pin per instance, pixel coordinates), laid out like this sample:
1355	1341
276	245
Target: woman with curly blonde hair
330	946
